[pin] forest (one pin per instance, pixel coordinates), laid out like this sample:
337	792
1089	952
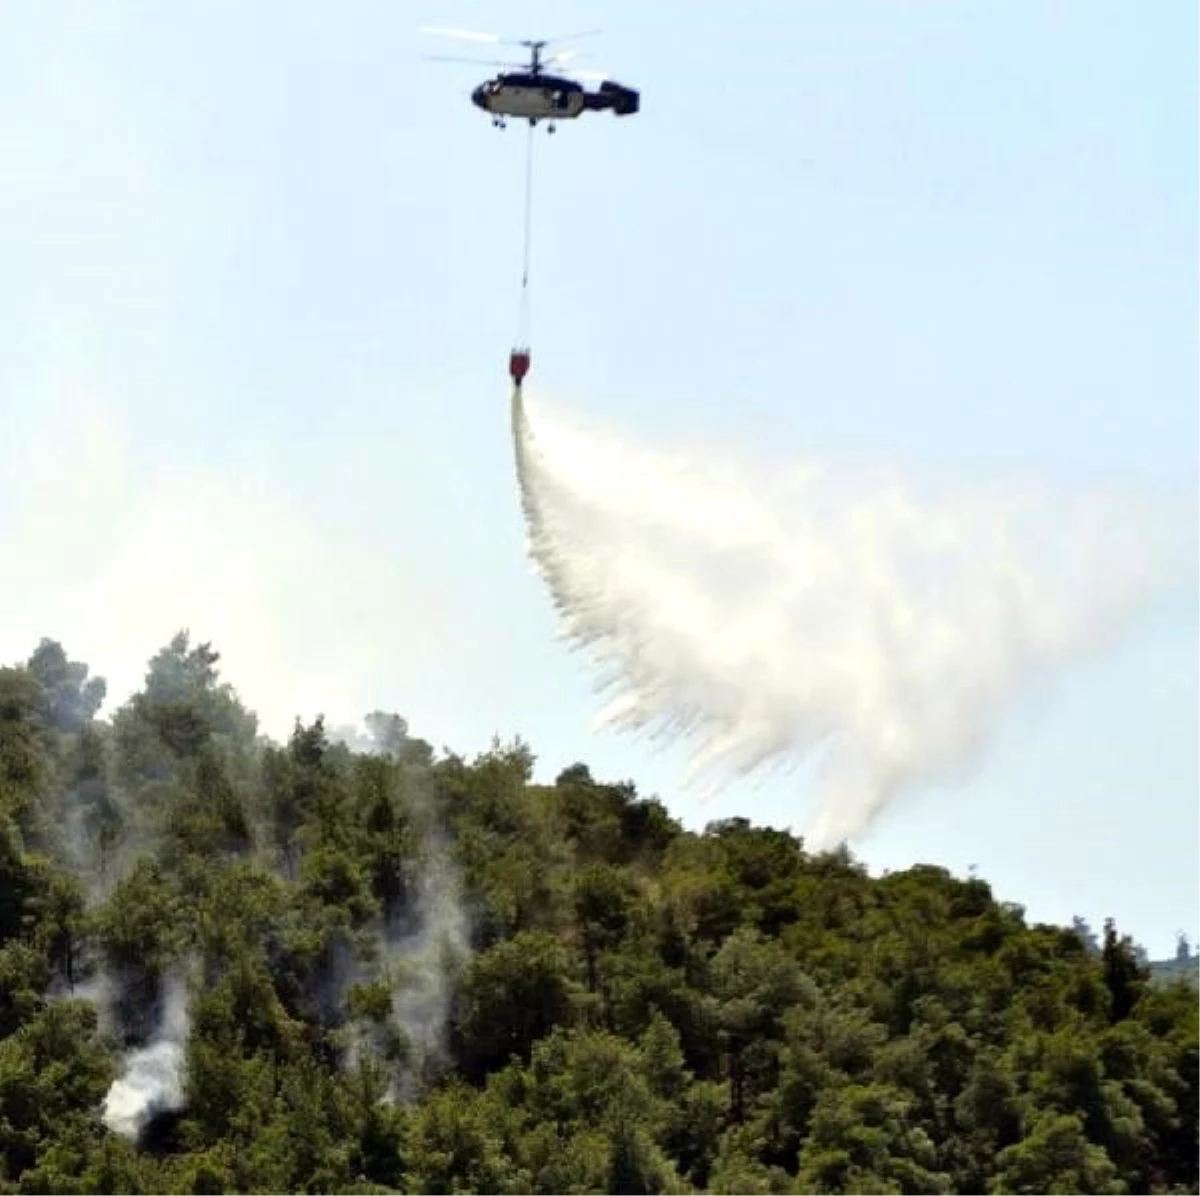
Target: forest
350	963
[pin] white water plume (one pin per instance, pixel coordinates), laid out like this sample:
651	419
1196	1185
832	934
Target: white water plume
152	1082
876	621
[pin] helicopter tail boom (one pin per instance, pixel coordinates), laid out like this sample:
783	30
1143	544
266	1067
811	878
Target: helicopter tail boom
624	101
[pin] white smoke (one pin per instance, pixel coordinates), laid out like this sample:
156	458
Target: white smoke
873	621
420	959
380	734
152	1082
423	964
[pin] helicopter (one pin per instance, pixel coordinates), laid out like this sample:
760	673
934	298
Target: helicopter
542	89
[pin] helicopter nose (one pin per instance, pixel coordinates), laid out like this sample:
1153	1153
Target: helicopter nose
477	97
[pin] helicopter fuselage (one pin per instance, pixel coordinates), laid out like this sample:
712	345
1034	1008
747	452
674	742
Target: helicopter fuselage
535	97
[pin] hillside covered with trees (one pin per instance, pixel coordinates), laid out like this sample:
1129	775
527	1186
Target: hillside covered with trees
337	965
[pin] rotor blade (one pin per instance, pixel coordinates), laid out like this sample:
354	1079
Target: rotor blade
583	73
562	37
573	58
464	34
472	61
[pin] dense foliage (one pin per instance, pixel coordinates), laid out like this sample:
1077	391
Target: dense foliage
324	969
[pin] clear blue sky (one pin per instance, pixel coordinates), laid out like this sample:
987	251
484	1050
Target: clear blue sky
259	273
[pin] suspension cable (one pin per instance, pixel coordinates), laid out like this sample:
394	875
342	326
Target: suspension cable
523	320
